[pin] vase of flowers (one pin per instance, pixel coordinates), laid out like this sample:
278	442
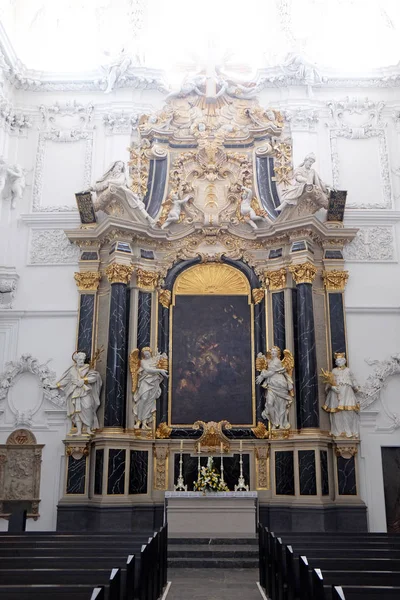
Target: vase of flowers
209	480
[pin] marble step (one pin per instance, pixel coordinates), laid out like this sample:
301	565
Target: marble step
212	563
213	551
214	541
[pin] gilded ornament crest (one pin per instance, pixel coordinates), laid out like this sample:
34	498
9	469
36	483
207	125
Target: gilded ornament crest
335	280
88	281
117	273
303	273
146	280
275	280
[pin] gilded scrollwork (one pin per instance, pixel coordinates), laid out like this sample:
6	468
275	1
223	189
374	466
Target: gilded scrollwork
303	273
88	281
335	280
147	280
117	273
164	298
161	467
275	280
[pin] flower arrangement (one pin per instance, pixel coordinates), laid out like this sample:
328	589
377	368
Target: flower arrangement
209	480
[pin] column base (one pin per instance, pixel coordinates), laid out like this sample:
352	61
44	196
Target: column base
281	517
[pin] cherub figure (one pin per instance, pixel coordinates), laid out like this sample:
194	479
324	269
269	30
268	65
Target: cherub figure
276	379
147	374
176	208
246	209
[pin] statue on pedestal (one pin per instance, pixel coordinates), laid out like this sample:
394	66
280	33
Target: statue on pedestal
246	209
81	386
276	379
341	401
114	183
176	208
307	191
147	375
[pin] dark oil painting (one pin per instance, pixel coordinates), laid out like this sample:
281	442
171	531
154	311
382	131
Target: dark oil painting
211	360
391	484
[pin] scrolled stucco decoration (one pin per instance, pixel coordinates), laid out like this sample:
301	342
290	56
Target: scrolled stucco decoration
52	247
28	364
20	461
376	382
371	244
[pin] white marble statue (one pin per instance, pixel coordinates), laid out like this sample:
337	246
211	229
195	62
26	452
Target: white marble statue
116	182
298	67
341	400
147	375
17	181
3	175
190	85
306	184
116	70
176	208
246	210
81	386
276	379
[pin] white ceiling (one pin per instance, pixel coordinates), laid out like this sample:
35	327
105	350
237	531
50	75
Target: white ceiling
81	35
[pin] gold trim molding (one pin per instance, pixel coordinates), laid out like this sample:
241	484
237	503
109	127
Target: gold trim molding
212	278
117	273
275	280
163	432
261	432
346	451
88	281
303	273
161	467
335	280
164	298
258	295
262	467
146	280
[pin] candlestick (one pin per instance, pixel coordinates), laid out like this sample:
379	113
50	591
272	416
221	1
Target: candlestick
241	485
181	445
241	445
222	448
180	486
198	448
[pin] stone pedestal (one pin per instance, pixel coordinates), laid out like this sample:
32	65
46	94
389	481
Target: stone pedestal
217	515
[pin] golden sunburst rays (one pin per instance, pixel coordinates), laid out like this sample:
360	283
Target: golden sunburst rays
212	278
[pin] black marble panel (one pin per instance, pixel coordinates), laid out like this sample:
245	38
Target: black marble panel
306	359
297	246
144	319
337	203
266	185
346	476
98	471
275	253
308	481
138	472
336	319
284	473
85	329
231	469
391	478
296	353
156	186
163	346
278	313
76	475
333	254
86	210
324	472
116	471
89	256
148	254
116	374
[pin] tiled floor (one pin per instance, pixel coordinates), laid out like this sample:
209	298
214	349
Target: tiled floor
213	584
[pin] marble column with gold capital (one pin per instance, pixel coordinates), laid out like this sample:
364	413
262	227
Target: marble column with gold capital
119	276
146	281
88	283
306	359
335	282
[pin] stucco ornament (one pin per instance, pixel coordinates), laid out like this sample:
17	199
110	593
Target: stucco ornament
341	402
177	206
276	379
12	182
114	184
147	374
246	208
376	383
81	386
116	71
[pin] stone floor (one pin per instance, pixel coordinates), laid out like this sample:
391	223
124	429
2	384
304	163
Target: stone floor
213	584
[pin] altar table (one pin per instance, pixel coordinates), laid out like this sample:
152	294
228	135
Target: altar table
215	514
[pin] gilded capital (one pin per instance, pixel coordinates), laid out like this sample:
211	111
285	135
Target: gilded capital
146	280
258	295
164	297
346	451
117	273
87	281
275	280
335	280
304	273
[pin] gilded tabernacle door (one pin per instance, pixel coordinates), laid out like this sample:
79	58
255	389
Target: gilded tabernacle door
211	347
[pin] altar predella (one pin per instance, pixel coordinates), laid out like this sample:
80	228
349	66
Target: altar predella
211	323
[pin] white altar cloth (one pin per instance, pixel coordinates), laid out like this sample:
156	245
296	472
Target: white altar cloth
215	514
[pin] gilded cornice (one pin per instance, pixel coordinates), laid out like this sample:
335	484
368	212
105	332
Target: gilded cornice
87	281
117	273
335	280
275	280
303	273
146	280
346	451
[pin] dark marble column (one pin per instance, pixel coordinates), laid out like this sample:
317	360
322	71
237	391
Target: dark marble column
144	320
306	360
164	301
88	283
278	316
335	282
114	408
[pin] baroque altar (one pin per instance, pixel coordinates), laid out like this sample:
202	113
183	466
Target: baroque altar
211	295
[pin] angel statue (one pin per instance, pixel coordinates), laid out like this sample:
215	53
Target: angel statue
246	209
176	208
115	182
341	401
81	385
147	374
276	379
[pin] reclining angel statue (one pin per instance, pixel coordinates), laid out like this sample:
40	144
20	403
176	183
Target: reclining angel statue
115	182
276	379
147	373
